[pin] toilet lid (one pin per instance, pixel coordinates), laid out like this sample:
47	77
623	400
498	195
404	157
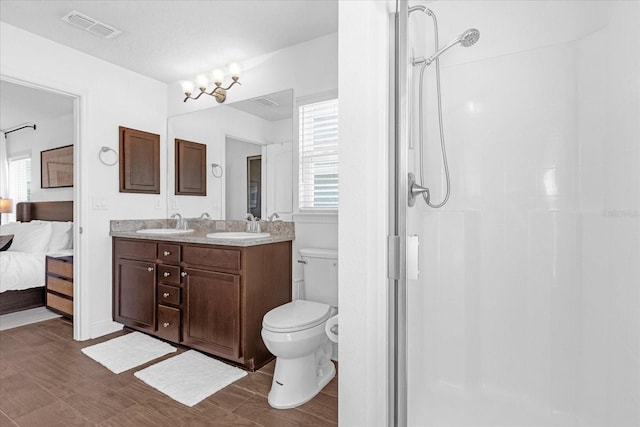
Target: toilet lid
295	316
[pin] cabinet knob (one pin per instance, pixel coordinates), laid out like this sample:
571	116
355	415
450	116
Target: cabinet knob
149	268
167	253
167	274
166	324
183	274
166	295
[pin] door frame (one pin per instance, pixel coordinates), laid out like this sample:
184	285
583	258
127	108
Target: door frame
81	300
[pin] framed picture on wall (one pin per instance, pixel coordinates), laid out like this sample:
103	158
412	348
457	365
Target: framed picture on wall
56	167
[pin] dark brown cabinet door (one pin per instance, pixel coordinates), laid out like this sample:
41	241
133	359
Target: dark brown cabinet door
191	169
139	161
212	318
134	297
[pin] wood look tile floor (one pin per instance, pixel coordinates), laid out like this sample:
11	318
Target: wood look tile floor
45	380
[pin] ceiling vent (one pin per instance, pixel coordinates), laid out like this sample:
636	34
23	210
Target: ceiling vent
91	25
265	102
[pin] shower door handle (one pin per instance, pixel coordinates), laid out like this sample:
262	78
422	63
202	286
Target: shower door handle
415	190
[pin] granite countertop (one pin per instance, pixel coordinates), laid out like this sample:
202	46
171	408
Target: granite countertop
280	231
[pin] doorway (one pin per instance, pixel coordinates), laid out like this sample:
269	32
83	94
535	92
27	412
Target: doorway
56	117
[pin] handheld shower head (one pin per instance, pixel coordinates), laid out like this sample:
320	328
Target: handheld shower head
466	39
469	37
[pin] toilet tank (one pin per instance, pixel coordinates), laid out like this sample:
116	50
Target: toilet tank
320	275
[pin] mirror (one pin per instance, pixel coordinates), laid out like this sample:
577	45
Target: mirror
252	142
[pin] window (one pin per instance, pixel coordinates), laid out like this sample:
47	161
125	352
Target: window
318	156
19	182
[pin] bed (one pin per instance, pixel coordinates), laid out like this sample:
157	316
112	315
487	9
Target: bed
45	229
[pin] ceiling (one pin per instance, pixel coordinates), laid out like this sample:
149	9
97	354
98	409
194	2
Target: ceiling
20	104
272	107
173	40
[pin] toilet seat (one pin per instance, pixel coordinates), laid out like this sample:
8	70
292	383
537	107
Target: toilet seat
296	316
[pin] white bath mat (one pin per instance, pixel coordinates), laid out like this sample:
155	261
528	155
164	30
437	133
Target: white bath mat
190	377
26	317
128	351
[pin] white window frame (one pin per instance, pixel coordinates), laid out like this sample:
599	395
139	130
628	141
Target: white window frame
311	99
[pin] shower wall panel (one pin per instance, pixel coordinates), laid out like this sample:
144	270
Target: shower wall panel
527	311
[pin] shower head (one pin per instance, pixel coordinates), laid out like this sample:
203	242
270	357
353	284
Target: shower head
469	37
466	39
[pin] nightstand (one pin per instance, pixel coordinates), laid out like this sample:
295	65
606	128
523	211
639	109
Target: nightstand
59	285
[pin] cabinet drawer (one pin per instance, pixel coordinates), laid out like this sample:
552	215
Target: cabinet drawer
169	295
169	323
61	286
169	253
135	249
211	258
60	267
169	274
60	304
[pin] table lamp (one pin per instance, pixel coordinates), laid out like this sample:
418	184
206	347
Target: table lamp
6	206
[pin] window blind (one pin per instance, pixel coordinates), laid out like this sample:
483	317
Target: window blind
318	165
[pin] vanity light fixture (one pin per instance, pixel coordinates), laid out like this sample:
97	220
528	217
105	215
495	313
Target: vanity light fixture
216	76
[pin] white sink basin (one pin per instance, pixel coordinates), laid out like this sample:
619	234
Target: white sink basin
163	231
237	235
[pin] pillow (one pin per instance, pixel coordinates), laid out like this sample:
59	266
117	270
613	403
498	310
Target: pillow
62	237
28	237
5	242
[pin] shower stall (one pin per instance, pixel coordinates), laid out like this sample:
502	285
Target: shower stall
518	301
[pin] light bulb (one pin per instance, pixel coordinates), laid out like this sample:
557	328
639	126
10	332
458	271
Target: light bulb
217	76
235	69
202	81
187	87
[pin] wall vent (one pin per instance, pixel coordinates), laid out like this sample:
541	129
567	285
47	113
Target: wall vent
91	25
265	102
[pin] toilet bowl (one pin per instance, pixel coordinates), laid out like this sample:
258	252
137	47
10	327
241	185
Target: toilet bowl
295	334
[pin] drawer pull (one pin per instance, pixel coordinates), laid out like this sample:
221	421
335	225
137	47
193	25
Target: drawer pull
183	274
149	268
167	274
167	253
166	324
166	295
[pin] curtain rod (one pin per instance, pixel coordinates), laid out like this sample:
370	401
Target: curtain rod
19	127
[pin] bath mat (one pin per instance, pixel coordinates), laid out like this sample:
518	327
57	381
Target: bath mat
26	317
190	377
128	351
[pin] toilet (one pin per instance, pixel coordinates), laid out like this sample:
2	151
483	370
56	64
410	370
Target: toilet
295	333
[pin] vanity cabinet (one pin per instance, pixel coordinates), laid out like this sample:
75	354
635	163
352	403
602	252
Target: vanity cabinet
208	297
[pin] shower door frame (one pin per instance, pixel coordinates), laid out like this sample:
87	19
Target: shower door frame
398	190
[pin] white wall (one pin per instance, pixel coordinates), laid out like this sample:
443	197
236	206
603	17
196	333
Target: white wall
364	91
110	96
528	297
50	133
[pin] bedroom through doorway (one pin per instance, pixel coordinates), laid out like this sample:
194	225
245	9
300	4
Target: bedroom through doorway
39	168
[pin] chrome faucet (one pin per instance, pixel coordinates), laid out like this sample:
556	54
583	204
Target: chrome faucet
274	216
205	215
253	225
180	222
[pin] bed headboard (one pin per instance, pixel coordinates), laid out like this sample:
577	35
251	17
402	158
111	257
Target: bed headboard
45	211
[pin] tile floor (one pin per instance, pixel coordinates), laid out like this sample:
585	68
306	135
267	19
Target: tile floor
46	381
